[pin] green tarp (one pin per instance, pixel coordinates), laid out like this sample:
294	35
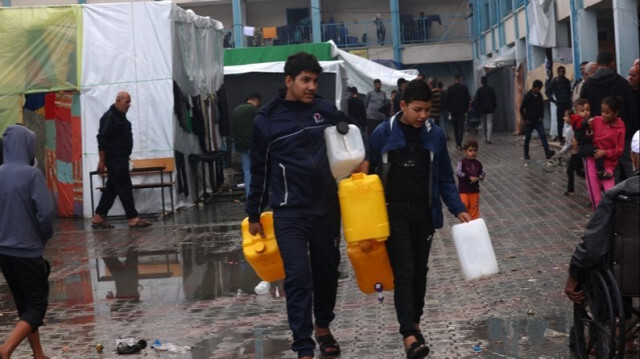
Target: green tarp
255	55
39	52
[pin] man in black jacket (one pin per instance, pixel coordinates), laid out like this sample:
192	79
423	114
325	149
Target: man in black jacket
355	108
560	94
458	99
486	104
115	142
604	83
532	111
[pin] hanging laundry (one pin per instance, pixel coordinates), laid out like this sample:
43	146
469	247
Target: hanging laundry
248	30
269	32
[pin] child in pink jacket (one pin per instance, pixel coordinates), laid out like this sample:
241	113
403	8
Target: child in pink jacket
608	138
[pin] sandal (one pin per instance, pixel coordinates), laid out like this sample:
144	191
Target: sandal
140	224
328	342
101	225
417	350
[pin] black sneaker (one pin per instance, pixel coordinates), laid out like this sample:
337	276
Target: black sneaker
526	157
550	153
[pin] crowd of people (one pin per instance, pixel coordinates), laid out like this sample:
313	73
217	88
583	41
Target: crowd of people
286	168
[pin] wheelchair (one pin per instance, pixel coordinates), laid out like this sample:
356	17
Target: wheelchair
608	318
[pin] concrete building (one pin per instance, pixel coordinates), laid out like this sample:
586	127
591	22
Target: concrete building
513	39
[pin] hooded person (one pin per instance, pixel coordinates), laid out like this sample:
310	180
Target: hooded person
26	213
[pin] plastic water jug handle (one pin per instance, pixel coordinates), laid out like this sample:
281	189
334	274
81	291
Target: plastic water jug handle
357	176
342	127
259	247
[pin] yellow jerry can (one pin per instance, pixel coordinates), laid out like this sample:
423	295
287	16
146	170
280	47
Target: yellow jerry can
371	265
263	253
363	207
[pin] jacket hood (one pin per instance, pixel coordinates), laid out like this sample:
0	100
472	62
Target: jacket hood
604	77
19	144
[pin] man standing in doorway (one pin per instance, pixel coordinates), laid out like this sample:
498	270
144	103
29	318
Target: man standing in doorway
375	99
115	143
458	102
560	94
241	126
486	104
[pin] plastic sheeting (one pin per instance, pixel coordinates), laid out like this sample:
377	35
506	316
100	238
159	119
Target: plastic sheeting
361	72
40	50
197	52
541	16
131	41
336	67
255	55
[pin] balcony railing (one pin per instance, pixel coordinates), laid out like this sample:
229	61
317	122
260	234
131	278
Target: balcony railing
429	29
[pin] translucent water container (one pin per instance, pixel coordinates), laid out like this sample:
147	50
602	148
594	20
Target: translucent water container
363	207
371	265
474	249
345	148
262	253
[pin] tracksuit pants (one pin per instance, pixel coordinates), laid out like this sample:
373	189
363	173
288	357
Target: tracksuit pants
408	247
310	250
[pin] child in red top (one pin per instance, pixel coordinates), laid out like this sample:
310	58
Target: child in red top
608	138
583	133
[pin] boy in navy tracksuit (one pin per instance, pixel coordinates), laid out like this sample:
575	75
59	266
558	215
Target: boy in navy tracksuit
26	211
410	153
290	173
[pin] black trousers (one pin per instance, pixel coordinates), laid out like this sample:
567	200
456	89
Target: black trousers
310	250
575	163
118	184
28	280
408	246
458	126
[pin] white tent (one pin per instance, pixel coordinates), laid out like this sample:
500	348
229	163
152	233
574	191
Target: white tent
141	48
361	72
333	67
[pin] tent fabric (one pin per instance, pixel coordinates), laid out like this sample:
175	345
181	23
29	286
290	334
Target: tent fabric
336	67
255	55
361	72
135	47
40	52
541	17
197	52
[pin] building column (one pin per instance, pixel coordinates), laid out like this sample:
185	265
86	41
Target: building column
583	32
625	24
315	21
238	36
395	28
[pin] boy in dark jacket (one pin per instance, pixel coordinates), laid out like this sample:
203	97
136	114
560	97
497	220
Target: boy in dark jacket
26	211
532	111
410	155
486	104
290	172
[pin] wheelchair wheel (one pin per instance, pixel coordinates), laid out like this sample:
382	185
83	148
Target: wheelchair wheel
596	328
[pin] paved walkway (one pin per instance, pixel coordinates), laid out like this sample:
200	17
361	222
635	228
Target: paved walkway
196	290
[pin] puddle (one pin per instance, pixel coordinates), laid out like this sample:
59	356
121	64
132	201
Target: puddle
525	337
256	345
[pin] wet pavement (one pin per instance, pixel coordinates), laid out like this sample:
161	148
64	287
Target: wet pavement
184	281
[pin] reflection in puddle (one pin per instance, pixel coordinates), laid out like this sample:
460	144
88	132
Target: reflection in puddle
255	345
525	337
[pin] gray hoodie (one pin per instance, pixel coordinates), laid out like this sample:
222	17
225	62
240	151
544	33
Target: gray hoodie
26	207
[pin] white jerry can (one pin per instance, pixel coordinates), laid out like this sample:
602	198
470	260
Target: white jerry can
474	249
345	148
